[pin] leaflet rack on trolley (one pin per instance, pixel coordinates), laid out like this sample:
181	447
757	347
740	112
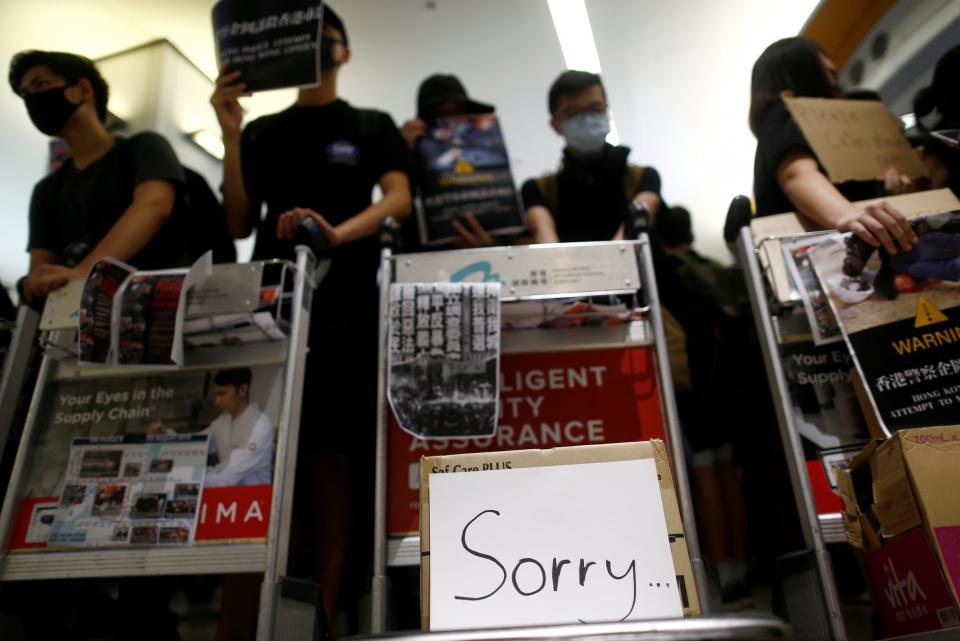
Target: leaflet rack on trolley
238	529
635	350
810	590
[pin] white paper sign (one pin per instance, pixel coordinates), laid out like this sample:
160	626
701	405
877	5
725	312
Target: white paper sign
555	544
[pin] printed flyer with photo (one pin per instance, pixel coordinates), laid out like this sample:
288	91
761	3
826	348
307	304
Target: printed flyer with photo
96	309
131	490
444	358
823	324
464	168
900	316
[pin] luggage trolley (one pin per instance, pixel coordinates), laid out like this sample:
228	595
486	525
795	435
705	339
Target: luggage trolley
238	289
527	273
815	595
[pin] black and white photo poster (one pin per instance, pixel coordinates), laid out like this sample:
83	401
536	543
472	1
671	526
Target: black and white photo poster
272	43
900	315
444	358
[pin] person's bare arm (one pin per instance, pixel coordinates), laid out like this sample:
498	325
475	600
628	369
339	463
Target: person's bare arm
817	199
541	225
236	203
395	203
151	208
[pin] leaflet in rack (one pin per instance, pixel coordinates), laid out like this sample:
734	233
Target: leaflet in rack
131	490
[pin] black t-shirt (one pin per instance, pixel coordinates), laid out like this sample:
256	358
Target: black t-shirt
327	159
777	136
591	202
72	206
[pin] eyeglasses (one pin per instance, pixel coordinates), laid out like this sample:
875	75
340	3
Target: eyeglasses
572	112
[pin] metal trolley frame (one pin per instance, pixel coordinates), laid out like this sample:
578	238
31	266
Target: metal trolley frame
619	259
278	614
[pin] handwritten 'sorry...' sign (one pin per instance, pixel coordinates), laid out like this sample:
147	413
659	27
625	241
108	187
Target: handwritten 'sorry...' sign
855	139
552	544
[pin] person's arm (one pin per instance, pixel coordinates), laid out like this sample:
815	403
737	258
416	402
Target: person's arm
541	225
152	206
226	105
255	455
816	198
411	131
650	200
36	285
395	202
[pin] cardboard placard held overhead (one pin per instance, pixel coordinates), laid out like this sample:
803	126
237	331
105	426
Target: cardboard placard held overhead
575	534
855	139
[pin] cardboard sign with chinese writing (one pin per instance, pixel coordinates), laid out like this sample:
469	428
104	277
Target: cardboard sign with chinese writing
855	139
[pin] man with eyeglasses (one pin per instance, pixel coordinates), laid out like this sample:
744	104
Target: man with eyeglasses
586	199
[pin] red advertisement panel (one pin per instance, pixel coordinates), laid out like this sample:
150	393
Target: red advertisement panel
226	514
547	400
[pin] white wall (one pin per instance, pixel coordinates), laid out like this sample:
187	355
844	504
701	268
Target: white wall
677	74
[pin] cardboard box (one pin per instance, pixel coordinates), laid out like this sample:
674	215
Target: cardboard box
516	459
901	509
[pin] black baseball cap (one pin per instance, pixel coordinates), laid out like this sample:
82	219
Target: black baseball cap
331	18
441	88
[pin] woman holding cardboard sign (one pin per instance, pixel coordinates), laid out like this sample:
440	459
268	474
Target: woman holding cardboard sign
787	174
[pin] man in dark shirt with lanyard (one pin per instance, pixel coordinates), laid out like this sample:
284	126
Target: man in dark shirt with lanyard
321	158
112	197
587	199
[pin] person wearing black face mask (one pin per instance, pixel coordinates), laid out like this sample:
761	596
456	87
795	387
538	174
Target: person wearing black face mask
112	197
586	200
320	159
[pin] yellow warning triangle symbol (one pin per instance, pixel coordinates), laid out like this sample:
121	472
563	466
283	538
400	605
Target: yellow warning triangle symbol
927	314
463	166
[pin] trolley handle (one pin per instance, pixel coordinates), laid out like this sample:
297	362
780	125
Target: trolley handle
738	216
636	221
389	234
309	232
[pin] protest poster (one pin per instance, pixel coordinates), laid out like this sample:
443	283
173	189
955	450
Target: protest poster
149	312
96	309
855	139
272	43
237	408
900	316
444	355
464	168
130	490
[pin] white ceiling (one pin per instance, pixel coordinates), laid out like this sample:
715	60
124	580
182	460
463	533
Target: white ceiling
677	74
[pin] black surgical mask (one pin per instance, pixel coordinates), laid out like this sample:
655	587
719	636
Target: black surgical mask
326	53
49	110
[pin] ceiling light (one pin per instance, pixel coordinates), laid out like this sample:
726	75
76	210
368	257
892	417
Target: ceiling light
579	49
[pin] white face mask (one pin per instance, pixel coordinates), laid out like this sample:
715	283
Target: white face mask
586	133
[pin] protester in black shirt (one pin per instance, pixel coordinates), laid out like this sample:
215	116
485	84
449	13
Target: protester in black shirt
587	199
112	197
442	95
942	96
321	158
787	175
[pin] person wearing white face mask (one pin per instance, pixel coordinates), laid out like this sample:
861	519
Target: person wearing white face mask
586	199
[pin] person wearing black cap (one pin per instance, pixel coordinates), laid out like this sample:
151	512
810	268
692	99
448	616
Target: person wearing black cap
443	95
321	159
586	200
